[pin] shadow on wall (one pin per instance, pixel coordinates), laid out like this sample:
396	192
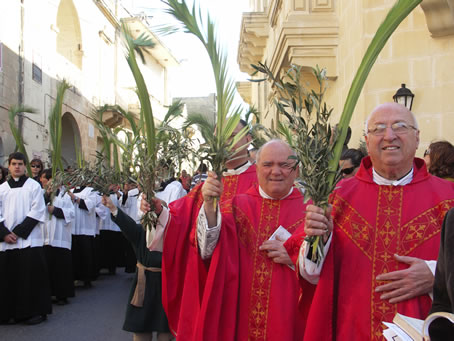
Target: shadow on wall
39	92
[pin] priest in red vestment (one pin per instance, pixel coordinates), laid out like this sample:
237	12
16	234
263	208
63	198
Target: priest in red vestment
178	223
250	292
385	225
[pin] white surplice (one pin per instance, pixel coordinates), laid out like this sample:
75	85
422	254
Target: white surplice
130	206
58	231
18	203
85	220
106	220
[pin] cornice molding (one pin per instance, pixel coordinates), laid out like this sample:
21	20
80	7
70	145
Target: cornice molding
245	91
253	38
308	40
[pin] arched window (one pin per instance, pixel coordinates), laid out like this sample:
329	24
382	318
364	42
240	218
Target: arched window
70	140
69	37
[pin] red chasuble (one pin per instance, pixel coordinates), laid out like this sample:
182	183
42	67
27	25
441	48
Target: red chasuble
246	295
184	273
371	224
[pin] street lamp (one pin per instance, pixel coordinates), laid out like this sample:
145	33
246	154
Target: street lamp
404	96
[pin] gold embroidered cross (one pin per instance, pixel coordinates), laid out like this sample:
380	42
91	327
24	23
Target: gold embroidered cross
385	256
388	211
262	272
383	308
388	233
360	232
269	217
258	312
416	232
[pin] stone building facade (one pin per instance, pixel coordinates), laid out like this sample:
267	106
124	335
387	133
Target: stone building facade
335	34
45	41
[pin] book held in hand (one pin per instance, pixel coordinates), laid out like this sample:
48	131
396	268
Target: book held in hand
405	328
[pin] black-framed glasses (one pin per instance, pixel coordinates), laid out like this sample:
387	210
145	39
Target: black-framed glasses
348	171
398	128
427	152
35	166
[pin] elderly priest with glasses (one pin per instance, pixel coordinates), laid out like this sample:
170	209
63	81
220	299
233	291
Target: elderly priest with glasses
245	286
383	228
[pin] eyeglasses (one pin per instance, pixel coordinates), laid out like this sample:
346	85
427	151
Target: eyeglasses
35	166
427	152
399	128
348	171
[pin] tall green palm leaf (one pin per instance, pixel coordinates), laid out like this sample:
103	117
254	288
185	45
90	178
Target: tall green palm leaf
104	131
55	128
227	117
134	46
12	113
400	10
136	128
147	156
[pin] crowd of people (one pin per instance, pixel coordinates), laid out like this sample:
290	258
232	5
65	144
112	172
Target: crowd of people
228	258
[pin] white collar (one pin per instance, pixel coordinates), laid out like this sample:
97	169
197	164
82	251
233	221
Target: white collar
379	180
237	171
266	196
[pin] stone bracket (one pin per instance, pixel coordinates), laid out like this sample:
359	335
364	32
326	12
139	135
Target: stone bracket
439	16
254	34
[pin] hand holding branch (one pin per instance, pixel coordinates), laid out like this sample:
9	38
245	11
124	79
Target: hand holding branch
211	189
146	207
318	222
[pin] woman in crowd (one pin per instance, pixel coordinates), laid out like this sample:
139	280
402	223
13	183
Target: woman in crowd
350	161
439	159
37	168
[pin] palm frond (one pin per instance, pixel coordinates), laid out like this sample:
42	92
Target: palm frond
400	10
203	27
12	113
142	91
55	128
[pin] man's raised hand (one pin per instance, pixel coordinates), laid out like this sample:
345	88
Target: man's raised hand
146	207
318	222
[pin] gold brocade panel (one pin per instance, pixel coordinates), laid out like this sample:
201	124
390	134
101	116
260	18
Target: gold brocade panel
230	187
388	236
263	271
251	238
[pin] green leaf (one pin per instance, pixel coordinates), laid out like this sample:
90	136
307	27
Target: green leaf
202	26
400	10
12	113
55	128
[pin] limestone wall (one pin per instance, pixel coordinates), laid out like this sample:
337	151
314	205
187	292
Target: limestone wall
418	55
74	40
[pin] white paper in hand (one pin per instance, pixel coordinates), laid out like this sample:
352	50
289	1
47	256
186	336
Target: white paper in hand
283	235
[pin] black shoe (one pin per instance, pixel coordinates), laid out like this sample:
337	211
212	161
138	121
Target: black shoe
36	320
62	301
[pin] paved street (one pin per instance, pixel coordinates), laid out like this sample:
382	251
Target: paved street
94	314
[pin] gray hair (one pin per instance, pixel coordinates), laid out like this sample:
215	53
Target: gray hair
366	124
257	155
